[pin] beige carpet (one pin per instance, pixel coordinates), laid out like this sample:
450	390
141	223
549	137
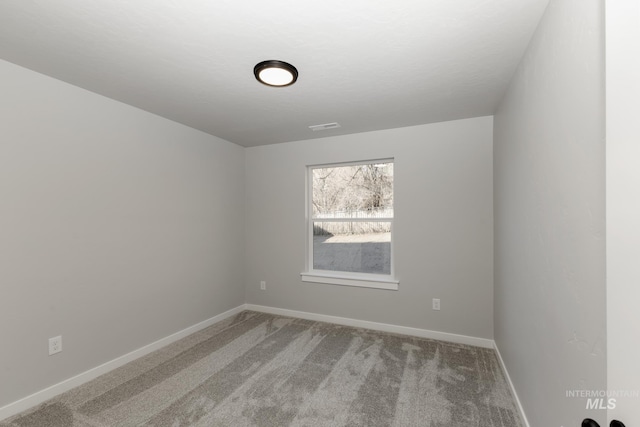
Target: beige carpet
262	370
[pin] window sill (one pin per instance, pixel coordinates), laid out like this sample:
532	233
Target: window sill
362	282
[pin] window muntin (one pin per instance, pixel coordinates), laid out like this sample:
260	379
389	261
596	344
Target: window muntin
351	219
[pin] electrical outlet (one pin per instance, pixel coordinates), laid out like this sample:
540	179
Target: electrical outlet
436	303
55	345
263	285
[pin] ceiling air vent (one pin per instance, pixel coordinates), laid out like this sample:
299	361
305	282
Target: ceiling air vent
325	126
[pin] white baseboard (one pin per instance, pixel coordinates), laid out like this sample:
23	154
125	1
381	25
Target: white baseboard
384	327
513	389
66	385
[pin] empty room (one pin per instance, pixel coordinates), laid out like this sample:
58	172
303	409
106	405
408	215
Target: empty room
366	213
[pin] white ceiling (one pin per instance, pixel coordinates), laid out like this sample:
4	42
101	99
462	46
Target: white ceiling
366	64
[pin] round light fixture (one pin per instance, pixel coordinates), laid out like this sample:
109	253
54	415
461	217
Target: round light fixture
275	73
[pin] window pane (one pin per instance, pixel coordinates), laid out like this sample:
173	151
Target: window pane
354	191
360	247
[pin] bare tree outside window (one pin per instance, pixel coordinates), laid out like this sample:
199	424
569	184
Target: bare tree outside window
352	211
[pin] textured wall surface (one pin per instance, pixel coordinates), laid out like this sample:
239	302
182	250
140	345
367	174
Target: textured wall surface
117	228
549	216
442	237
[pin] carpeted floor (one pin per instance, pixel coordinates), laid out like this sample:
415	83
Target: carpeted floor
257	369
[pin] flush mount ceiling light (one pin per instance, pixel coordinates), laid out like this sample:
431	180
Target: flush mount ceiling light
275	73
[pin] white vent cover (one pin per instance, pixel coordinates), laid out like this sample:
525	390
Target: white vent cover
325	126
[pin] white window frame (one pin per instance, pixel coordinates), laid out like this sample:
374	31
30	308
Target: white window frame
345	278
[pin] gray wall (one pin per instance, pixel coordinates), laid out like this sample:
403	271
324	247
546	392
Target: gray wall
443	229
549	216
117	228
623	206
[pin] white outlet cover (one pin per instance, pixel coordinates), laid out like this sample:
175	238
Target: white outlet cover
55	345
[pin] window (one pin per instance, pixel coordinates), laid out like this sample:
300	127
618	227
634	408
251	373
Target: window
350	224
